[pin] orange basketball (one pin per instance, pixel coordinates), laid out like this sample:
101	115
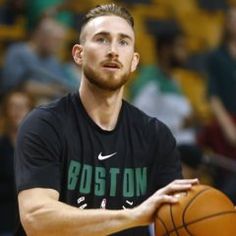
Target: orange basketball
202	211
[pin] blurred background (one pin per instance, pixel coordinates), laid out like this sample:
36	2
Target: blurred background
186	78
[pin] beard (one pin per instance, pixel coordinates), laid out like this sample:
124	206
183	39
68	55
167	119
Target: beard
106	81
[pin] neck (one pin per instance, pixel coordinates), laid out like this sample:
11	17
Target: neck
102	106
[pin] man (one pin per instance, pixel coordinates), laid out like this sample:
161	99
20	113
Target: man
157	93
220	134
90	163
36	66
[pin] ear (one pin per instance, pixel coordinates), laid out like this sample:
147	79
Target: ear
135	61
77	53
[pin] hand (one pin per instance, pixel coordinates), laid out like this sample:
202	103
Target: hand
145	212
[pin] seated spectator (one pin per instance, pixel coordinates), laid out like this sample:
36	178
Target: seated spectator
34	64
15	106
158	94
220	135
222	92
56	8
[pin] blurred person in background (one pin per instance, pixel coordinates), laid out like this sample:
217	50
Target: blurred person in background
220	134
58	9
156	92
34	64
14	107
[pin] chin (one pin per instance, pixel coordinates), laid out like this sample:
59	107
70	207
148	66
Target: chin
106	81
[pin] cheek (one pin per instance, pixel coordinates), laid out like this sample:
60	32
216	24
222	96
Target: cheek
127	53
93	51
91	57
127	61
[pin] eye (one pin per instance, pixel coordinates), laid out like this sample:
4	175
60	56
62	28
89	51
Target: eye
101	40
124	42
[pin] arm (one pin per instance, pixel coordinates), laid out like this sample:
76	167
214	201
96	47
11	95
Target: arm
214	66
45	90
224	120
14	67
42	214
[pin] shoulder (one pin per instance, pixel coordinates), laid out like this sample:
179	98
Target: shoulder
144	121
53	114
18	48
150	130
58	106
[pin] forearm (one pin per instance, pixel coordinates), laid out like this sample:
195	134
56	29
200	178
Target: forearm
39	89
56	218
42	214
220	112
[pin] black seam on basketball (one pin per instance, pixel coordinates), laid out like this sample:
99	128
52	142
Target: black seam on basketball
203	218
163	223
186	207
172	219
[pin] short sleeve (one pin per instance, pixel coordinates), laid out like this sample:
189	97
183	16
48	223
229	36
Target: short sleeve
38	151
168	163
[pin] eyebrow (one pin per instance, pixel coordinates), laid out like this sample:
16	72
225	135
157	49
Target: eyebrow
105	33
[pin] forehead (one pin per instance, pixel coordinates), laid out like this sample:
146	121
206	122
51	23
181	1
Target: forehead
111	24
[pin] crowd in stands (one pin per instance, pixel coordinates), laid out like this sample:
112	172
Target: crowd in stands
15	105
187	78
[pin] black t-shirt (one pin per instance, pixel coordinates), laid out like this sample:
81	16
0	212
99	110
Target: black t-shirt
222	77
60	147
8	201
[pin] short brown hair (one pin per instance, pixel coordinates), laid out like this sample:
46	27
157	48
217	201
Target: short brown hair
107	10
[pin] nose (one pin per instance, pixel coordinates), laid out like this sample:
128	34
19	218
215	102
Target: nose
112	51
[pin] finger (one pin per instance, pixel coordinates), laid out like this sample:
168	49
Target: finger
186	181
176	187
161	199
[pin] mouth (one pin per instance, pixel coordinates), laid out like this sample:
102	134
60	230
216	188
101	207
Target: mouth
113	66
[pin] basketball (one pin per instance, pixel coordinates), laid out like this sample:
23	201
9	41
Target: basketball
201	211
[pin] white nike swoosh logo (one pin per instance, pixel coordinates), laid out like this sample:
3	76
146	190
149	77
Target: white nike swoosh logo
102	158
130	203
